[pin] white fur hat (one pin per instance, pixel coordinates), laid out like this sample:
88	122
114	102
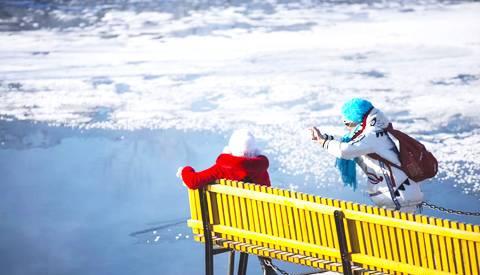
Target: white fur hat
242	144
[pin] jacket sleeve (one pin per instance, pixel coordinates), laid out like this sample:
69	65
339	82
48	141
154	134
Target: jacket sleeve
265	177
195	180
360	146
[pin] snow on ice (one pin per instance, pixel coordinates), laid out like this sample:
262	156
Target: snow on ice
276	70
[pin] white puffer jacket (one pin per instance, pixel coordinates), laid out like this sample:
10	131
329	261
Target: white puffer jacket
374	139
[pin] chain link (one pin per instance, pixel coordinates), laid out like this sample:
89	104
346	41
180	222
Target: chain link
450	211
277	269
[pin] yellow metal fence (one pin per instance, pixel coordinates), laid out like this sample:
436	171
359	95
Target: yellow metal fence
301	228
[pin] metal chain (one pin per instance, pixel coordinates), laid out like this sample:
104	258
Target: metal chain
277	269
450	211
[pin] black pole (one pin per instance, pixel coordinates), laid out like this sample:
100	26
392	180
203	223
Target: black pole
342	240
242	263
207	233
231	263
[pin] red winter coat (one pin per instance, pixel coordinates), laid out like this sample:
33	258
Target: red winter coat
230	167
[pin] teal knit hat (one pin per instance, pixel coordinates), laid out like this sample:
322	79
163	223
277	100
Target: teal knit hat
355	109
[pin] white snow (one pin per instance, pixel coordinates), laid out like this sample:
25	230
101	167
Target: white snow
277	72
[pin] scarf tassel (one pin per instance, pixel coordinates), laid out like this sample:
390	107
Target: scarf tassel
347	167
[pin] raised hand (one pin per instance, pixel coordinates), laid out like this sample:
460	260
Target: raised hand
316	134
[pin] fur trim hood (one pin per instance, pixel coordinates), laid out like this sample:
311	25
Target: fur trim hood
376	121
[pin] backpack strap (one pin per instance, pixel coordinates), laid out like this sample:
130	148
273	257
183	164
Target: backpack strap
382	161
376	156
390	184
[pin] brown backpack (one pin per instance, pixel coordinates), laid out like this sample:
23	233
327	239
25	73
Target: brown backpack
417	163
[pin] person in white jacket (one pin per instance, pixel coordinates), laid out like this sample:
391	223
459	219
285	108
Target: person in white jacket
388	186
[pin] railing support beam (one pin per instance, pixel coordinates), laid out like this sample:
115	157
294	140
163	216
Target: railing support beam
342	241
207	233
231	263
242	264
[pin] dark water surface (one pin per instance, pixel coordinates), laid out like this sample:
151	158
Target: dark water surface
16	15
70	200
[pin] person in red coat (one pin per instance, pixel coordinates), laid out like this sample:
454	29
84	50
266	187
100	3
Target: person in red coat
241	160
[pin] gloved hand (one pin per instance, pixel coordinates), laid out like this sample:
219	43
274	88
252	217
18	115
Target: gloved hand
316	135
179	172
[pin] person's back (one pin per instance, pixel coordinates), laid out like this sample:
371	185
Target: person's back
241	160
228	166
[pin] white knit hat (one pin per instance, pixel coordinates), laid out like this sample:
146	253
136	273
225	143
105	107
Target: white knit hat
242	144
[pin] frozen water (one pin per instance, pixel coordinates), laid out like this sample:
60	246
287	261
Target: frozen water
217	67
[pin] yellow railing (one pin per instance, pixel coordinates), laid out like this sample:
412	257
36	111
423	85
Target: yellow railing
304	229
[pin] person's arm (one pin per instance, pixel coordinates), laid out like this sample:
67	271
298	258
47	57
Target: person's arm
262	178
265	178
361	145
320	138
195	180
349	150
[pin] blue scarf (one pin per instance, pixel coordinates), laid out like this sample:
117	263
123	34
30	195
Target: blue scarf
347	167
